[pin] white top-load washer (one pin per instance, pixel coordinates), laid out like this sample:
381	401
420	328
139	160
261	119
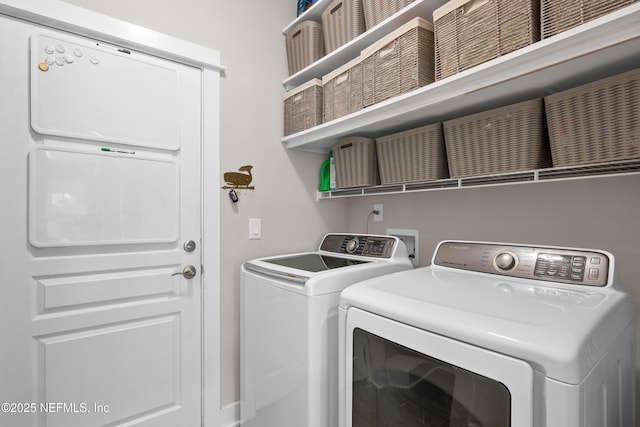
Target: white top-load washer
490	335
289	327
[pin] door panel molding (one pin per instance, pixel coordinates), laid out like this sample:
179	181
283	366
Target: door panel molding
141	353
72	292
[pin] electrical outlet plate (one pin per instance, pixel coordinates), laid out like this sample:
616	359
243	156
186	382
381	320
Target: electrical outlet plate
411	241
378	207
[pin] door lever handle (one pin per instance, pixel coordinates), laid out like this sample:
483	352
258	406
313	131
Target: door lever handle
189	272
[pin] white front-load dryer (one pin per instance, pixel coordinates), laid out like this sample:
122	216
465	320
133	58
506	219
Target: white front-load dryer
289	327
490	335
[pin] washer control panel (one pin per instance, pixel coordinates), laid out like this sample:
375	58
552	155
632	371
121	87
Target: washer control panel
362	245
564	265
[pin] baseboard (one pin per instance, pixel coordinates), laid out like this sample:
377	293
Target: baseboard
230	415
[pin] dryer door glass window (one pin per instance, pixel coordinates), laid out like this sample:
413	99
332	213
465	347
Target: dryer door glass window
396	386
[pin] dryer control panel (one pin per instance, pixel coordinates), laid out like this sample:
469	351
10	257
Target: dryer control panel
564	265
363	245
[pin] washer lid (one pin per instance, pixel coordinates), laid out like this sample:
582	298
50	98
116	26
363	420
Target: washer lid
561	330
313	273
314	262
299	268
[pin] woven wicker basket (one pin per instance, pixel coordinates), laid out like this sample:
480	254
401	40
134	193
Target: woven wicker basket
597	122
305	45
413	155
342	21
506	139
561	15
356	162
303	107
376	11
398	63
342	90
368	80
470	32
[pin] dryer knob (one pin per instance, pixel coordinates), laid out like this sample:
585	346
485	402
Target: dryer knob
505	261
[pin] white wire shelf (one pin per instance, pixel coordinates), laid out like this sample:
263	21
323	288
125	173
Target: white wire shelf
625	167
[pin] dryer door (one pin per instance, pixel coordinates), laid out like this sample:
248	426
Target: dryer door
400	375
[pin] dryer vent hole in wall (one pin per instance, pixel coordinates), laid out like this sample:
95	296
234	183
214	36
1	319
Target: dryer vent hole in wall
411	241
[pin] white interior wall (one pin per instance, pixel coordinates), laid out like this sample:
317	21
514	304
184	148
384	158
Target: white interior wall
251	45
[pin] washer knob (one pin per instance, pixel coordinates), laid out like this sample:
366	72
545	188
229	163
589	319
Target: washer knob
505	261
352	245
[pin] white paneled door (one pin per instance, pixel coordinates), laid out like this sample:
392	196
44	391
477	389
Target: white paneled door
100	175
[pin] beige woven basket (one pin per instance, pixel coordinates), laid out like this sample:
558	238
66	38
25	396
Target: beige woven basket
596	122
413	155
305	45
342	90
506	139
376	11
368	80
470	32
356	162
342	21
398	63
561	15
303	107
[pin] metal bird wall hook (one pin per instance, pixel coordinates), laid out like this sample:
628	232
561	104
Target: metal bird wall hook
239	179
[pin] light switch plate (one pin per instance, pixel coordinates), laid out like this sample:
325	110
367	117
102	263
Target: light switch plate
255	228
